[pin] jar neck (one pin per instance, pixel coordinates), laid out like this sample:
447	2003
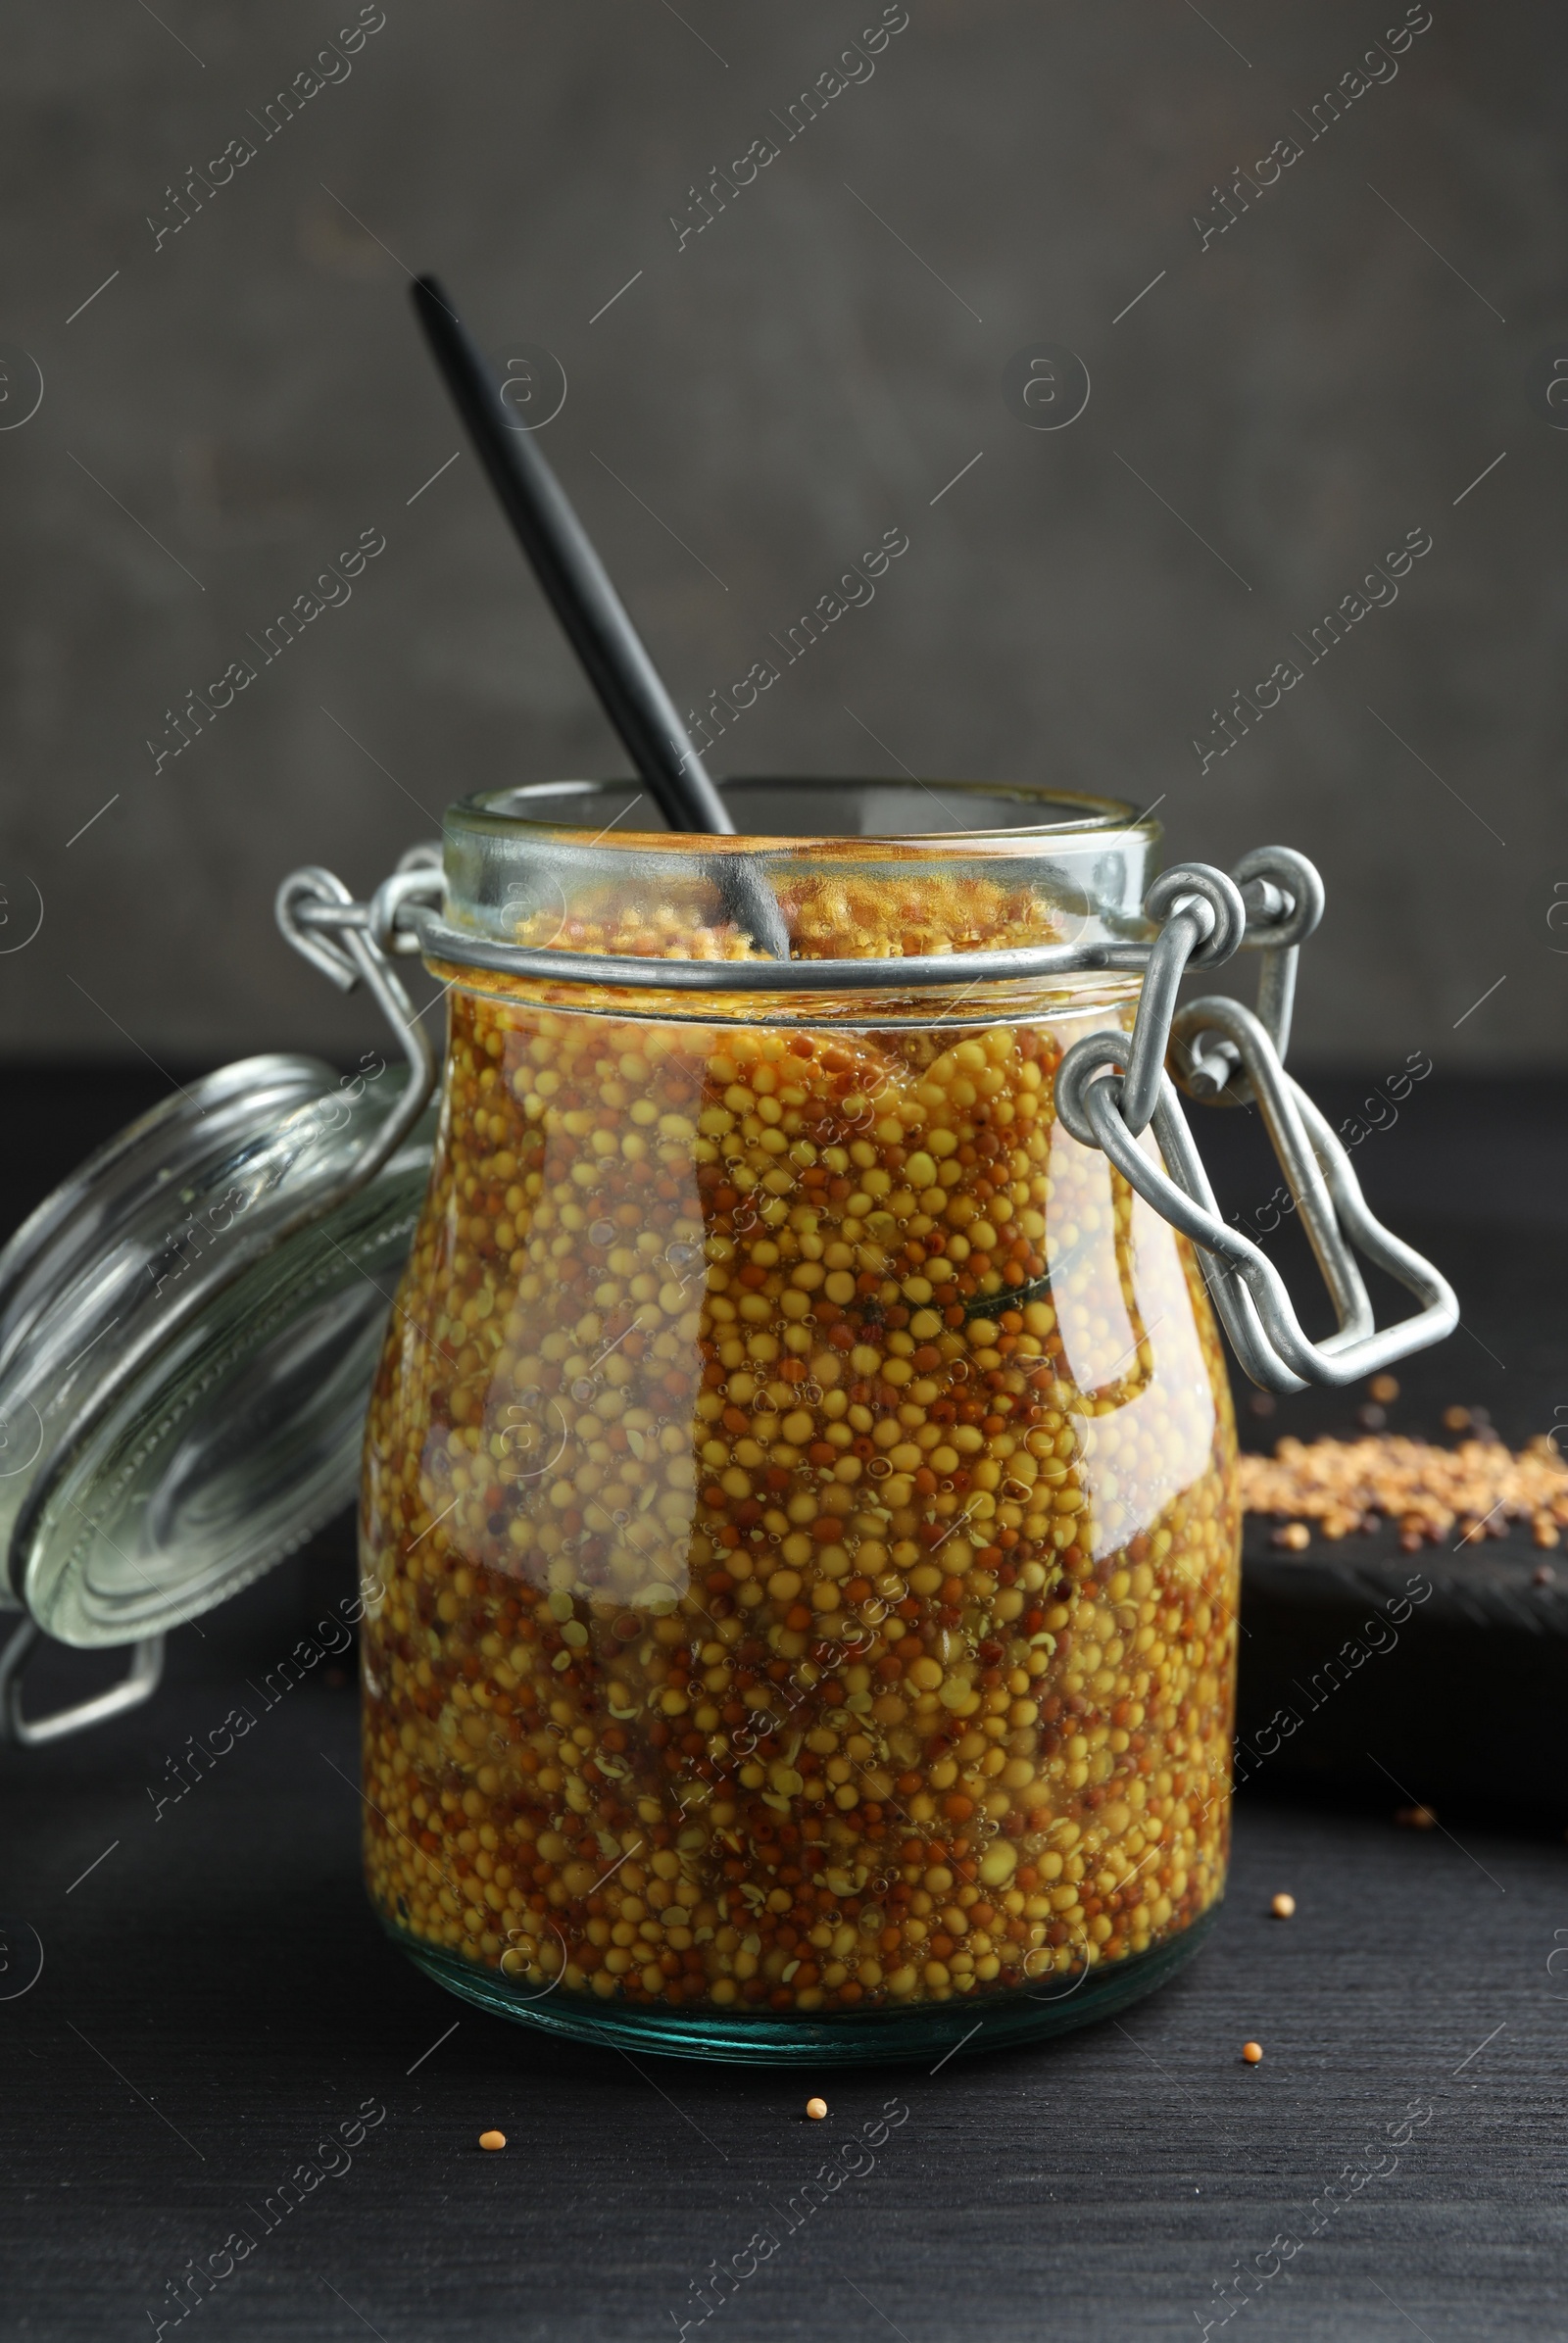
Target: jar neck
976	869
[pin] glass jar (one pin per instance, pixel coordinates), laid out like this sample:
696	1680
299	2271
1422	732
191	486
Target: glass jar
800	1484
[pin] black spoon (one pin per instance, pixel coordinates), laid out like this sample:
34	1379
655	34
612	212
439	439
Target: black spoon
592	612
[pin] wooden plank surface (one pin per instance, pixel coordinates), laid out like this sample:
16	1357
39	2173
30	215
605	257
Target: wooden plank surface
216	2003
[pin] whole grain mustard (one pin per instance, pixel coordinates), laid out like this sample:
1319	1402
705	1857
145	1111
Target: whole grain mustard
800	1505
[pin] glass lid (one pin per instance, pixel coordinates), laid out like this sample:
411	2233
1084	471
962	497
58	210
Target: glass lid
181	1392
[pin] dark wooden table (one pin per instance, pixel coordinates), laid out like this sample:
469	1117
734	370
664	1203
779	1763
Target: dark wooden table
217	2012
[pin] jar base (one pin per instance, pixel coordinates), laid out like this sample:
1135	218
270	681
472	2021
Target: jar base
965	2025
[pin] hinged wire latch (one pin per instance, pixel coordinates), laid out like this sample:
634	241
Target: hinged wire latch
1112	1086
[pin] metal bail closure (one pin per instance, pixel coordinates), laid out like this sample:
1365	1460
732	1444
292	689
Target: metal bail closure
1109	1085
190	1325
138	1684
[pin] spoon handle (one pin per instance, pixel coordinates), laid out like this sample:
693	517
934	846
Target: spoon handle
573	578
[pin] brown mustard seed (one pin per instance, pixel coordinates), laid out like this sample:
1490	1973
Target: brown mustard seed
1251	2052
1384	1388
1283	1907
816	2109
779	1610
1344	1487
492	2139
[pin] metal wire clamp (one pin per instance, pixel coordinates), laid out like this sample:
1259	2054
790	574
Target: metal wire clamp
1248	1290
1110	1086
141	1679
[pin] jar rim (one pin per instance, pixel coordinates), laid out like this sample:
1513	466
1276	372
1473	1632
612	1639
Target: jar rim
542	806
1041	897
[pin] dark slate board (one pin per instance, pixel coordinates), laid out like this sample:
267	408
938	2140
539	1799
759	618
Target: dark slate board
1432	1678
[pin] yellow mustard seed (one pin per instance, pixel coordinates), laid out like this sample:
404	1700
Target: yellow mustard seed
802	1516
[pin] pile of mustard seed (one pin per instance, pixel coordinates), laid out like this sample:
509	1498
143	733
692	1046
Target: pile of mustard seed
1478	1489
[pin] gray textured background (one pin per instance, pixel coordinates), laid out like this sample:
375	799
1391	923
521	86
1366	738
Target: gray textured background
1299	395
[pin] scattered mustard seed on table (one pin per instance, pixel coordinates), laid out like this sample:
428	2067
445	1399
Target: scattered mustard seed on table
1473	1491
1251	2052
816	2109
1283	1907
492	2139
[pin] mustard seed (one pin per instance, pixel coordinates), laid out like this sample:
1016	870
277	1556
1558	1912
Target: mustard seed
1283	1907
1251	2052
1346	1487
816	2109
492	2139
801	1588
